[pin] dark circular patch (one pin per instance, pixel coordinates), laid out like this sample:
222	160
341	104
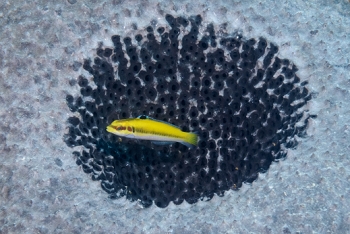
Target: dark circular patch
242	100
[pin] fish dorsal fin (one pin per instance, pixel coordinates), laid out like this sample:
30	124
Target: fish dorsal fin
160	121
142	117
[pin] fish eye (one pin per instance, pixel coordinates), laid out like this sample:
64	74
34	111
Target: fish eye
119	128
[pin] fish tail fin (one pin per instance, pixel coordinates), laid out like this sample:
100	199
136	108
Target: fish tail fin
191	139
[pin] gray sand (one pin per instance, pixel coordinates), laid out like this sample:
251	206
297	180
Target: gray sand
44	191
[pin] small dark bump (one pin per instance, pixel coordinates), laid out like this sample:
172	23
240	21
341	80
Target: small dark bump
83	82
127	41
138	37
107	52
151	93
160	30
149	29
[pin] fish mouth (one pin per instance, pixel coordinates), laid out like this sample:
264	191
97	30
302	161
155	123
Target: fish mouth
110	129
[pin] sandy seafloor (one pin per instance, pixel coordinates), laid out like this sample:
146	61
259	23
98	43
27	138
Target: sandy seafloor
42	190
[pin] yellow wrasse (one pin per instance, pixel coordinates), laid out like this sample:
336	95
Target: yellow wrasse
146	128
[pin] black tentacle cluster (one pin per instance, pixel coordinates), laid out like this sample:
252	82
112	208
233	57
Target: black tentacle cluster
241	99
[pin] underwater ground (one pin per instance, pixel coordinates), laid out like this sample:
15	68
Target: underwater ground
43	47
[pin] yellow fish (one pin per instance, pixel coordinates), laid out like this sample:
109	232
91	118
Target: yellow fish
146	128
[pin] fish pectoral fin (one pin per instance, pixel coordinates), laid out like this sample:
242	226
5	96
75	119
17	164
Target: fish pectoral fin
163	142
142	117
130	136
